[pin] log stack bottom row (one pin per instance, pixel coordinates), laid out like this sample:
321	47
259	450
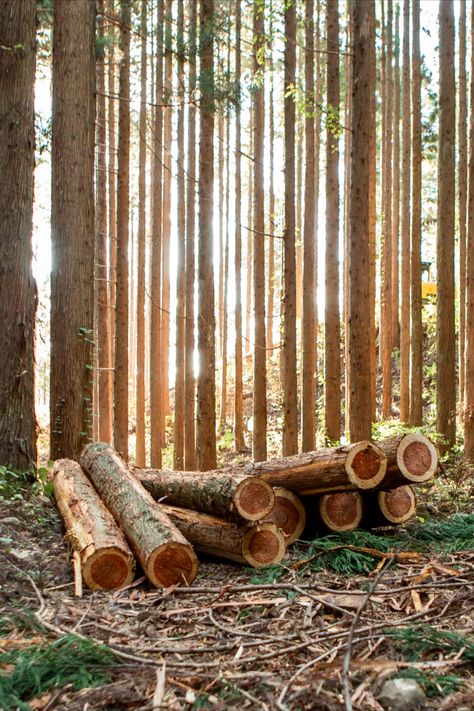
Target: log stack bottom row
249	514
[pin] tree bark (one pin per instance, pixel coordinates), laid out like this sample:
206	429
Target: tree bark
469	372
360	399
107	562
222	494
72	227
290	401
206	408
396	185
462	193
445	331
260	355
332	317
18	302
258	545
165	555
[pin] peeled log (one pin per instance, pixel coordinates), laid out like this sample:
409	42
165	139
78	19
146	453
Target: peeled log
165	555
229	495
106	560
354	466
341	511
288	514
410	458
257	544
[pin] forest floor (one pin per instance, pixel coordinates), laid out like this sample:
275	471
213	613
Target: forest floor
341	613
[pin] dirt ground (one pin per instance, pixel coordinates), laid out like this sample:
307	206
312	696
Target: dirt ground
236	639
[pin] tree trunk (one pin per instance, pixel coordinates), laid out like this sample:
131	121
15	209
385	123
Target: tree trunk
260	355
405	226
190	383
308	400
141	278
416	332
445	332
165	555
206	408
290	400
239	440
112	201
107	562
258	545
360	409
359	466
332	317
271	198
462	194
341	511
222	494
396	186
72	227
18	303
179	394
469	373
288	513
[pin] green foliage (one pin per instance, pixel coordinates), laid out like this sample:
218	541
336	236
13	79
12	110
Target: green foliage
13	484
41	667
422	641
433	684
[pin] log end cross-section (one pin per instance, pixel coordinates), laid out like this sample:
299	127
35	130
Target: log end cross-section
288	513
366	465
253	499
397	505
417	457
263	544
341	511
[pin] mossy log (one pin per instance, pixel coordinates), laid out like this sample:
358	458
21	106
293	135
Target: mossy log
288	513
165	555
341	511
353	466
222	494
257	544
106	560
411	458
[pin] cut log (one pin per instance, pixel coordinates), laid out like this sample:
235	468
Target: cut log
288	513
257	544
354	466
231	496
165	555
341	511
105	558
397	505
410	458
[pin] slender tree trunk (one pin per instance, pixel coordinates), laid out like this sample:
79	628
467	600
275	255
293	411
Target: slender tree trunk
386	263
372	233
179	394
190	384
416	329
271	200
238	384
363	22
18	302
332	317
462	193
445	332
225	329
249	242
259	358
112	201
140	369
72	227
469	325
206	401
290	400
309	274
405	225
396	186
123	209
156	435
347	218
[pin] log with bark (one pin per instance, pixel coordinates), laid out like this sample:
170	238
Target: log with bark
341	511
165	555
229	495
288	513
104	556
391	507
257	544
353	466
411	458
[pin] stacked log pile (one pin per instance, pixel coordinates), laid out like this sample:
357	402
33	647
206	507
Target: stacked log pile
247	514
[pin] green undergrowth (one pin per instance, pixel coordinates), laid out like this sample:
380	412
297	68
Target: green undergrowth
29	672
423	643
335	552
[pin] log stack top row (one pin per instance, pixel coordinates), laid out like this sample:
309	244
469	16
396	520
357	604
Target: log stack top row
248	513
